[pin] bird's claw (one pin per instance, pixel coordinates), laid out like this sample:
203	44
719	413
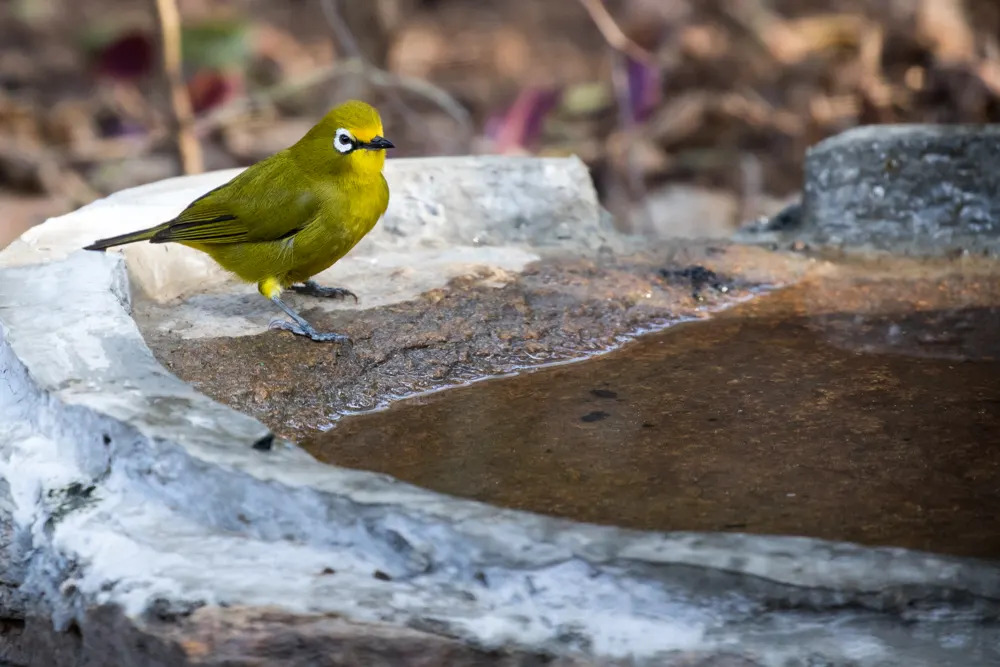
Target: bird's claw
311	288
309	332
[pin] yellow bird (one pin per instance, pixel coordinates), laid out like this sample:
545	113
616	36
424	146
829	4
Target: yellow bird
293	214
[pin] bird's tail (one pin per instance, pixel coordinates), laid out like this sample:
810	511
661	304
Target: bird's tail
131	237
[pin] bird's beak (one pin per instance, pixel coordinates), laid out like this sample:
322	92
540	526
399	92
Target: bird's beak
378	143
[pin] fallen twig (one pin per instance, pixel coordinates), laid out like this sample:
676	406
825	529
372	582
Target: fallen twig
343	35
188	148
383	79
247	103
613	34
422	88
377	77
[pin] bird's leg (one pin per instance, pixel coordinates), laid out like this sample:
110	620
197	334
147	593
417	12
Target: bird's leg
302	328
312	288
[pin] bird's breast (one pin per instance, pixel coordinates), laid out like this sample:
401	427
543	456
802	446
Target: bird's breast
337	227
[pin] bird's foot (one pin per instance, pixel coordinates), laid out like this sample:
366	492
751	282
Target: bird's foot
312	288
306	330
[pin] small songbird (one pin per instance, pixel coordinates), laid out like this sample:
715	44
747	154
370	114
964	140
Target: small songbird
293	214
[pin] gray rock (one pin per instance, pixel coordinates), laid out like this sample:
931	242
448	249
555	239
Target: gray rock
490	201
913	189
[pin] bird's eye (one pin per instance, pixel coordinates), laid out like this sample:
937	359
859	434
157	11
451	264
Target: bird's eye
343	141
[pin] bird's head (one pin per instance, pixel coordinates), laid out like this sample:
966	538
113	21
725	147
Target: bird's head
347	140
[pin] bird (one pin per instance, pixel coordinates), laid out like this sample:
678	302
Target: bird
291	215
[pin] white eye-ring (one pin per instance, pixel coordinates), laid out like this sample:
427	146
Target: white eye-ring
343	141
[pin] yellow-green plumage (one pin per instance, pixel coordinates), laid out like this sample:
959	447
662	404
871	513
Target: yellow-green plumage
292	215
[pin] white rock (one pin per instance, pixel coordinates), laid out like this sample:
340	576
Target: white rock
519	205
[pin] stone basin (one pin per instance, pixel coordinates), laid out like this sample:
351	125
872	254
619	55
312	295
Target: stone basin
154	508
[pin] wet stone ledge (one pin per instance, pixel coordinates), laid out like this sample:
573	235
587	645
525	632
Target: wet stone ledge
143	522
487	324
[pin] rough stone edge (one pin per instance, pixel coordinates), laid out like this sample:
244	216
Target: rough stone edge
283	494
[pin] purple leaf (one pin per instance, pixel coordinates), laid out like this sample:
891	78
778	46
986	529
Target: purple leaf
128	57
644	88
521	125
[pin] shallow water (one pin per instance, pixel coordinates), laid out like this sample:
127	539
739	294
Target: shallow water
851	408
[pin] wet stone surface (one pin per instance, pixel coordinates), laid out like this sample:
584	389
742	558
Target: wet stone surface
479	326
855	406
861	402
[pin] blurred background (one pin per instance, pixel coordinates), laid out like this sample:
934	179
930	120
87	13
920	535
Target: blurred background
693	116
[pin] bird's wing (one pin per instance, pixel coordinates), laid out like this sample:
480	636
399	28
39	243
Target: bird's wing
260	204
205	225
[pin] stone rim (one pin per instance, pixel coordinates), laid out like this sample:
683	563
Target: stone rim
139	443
